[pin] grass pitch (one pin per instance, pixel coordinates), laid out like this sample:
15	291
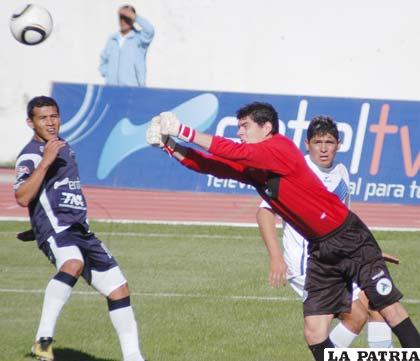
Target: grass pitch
199	293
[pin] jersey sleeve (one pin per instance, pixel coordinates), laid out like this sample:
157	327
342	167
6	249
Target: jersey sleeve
216	166
146	31
272	154
346	178
25	165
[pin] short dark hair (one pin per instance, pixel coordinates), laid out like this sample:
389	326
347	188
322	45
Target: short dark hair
322	125
260	113
39	102
128	7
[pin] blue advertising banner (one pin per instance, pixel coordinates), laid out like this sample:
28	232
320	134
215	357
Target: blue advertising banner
106	126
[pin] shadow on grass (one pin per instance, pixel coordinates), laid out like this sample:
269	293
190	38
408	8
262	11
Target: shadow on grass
68	354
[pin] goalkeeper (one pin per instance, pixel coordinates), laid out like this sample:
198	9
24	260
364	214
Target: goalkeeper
341	247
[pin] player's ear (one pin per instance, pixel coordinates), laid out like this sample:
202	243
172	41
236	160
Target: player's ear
306	144
30	123
268	128
339	144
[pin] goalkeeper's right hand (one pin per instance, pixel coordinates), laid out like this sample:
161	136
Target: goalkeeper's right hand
170	125
156	139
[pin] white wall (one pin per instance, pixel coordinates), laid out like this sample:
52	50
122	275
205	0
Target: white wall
364	49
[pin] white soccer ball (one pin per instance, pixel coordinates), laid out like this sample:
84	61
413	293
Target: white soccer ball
31	24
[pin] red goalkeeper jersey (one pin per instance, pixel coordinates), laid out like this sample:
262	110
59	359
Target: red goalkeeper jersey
280	174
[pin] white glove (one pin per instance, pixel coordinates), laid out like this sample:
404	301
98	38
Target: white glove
156	139
170	125
153	133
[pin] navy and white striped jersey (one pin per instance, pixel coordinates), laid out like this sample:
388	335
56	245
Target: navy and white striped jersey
60	201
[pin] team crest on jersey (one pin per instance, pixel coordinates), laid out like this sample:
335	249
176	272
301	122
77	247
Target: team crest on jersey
22	170
384	286
41	148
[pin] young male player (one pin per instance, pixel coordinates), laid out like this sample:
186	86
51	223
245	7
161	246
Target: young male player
341	247
47	182
322	143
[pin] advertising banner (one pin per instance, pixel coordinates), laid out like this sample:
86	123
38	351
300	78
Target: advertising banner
106	126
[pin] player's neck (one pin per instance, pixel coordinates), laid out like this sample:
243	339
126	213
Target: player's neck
38	139
269	136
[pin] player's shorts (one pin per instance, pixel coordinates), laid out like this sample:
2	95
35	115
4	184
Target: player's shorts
298	285
100	268
348	254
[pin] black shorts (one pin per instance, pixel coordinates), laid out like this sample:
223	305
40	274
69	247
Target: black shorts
348	254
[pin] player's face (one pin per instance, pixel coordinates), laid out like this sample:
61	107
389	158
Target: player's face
322	149
251	132
45	123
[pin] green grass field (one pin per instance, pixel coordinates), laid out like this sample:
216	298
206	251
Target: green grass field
200	294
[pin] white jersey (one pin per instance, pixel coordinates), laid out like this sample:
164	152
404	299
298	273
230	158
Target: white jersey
336	179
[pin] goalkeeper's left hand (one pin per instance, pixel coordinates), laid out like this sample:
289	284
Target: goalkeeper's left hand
153	134
156	139
170	125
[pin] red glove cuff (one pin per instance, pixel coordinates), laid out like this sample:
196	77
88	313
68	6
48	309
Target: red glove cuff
185	133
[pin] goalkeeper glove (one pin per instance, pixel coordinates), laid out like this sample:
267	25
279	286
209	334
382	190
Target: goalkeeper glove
156	139
170	125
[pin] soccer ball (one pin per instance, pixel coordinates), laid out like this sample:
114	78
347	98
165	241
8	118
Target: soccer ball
31	24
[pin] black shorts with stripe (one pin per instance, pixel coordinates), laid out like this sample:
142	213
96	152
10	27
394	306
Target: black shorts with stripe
348	254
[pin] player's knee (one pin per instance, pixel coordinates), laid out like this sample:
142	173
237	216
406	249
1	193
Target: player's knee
316	328
313	335
394	313
355	320
73	267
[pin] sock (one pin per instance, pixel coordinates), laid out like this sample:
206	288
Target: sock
124	322
407	334
318	349
379	335
57	294
341	336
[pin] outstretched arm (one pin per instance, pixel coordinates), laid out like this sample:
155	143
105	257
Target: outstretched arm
257	155
193	159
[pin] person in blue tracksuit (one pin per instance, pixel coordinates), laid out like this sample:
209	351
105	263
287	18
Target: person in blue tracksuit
123	61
